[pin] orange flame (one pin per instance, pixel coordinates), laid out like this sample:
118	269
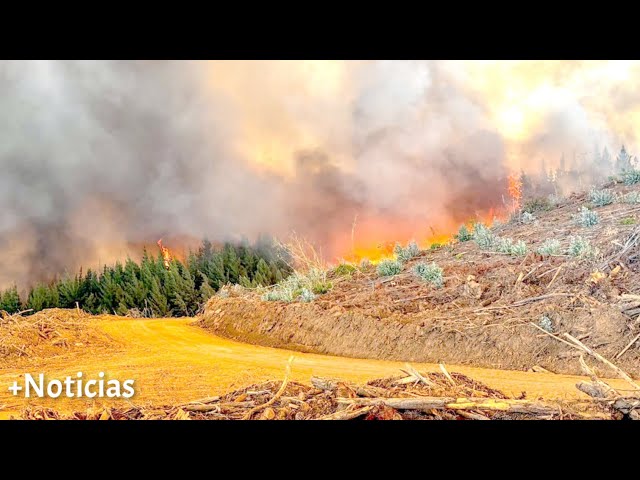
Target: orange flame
166	254
374	238
515	189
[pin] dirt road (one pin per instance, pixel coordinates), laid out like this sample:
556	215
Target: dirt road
173	361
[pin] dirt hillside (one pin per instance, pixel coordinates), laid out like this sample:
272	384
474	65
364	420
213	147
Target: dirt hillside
483	314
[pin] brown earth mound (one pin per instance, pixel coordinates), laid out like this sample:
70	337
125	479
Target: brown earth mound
483	315
48	333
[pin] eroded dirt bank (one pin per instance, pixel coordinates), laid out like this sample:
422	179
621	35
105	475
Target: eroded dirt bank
336	331
484	312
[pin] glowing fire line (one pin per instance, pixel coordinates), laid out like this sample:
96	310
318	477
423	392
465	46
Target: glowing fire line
375	251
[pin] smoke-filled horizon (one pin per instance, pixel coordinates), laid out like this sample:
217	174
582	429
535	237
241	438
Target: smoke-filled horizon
100	157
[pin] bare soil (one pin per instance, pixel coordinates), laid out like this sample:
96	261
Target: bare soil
173	361
483	314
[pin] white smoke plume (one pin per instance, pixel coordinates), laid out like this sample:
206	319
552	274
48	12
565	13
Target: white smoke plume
99	158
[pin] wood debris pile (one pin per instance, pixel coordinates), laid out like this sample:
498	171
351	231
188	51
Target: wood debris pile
410	396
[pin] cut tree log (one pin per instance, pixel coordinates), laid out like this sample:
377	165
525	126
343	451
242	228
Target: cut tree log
451	403
597	387
627	404
592	389
603	392
618	370
326	384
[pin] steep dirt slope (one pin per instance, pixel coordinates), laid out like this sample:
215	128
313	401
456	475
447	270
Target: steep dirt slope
483	314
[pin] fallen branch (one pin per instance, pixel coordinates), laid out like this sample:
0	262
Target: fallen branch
552	335
278	394
325	384
201	401
413	372
202	408
549	271
442	403
348	414
618	370
446	374
598	388
591	389
554	277
521	277
632	239
526	301
602	392
473	415
635	339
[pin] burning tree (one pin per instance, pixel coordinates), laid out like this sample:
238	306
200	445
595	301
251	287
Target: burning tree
515	189
166	254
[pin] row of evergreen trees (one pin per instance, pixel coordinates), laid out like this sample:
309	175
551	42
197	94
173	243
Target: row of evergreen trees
154	290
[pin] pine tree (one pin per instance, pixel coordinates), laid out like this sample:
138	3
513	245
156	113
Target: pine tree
112	297
90	293
183	298
602	161
42	296
214	270
205	292
277	273
69	291
157	299
623	161
10	300
231	263
134	289
263	274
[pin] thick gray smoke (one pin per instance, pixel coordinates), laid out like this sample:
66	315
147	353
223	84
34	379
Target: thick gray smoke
99	158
